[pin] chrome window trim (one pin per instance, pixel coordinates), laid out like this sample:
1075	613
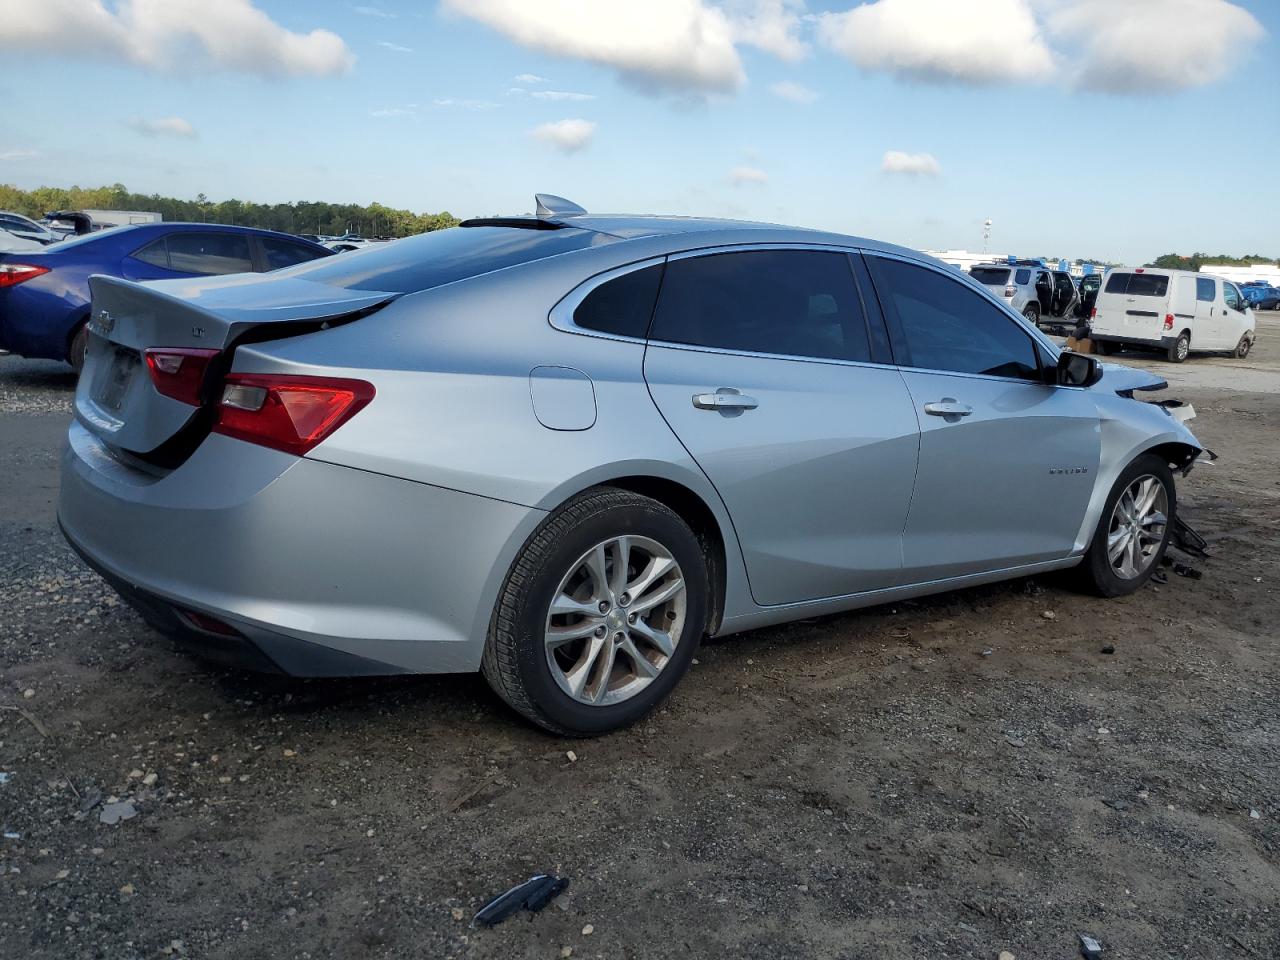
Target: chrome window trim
561	315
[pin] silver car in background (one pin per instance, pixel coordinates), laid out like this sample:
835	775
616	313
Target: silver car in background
560	449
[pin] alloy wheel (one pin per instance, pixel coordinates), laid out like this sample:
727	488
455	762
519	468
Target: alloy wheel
1137	529
615	619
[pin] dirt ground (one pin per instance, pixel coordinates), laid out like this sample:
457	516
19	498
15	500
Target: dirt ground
945	778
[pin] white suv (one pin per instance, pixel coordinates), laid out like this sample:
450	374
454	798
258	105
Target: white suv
1038	293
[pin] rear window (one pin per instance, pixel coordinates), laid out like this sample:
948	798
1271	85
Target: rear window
991	276
443	256
1138	284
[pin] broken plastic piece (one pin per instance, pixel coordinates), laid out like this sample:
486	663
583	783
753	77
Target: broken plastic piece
1183	570
1090	948
532	895
1187	540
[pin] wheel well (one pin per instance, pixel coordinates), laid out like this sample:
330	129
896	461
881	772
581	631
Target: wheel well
693	510
1178	455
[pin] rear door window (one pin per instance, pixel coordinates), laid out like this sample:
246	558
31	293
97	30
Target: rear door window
622	306
154	253
800	303
939	324
1138	284
209	253
1022	277
280	253
1206	290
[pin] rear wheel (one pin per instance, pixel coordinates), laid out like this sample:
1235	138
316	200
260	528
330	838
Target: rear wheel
1180	348
600	616
79	344
1244	346
1134	531
1032	313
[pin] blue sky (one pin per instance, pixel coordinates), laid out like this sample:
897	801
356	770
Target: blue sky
1078	134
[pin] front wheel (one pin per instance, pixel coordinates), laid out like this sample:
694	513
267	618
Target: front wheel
1180	348
1244	346
600	615
1134	531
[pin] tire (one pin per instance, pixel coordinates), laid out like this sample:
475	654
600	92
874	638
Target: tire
1243	347
79	343
1097	573
1180	348
1032	313
1104	347
534	677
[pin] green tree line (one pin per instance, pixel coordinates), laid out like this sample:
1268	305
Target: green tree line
1174	261
374	220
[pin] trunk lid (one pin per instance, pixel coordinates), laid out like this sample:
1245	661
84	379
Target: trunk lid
115	397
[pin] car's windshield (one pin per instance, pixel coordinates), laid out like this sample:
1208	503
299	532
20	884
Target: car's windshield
89	237
991	276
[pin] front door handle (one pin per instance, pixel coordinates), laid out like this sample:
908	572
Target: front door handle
725	398
947	407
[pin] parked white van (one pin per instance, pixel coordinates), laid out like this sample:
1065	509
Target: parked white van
1175	311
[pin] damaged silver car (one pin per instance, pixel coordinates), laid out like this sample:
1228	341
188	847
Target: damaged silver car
560	449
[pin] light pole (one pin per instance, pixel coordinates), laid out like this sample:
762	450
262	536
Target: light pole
986	233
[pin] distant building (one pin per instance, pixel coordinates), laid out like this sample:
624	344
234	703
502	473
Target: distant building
1255	271
103	219
964	259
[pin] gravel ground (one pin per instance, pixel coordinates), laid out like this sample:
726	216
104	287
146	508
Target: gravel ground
945	778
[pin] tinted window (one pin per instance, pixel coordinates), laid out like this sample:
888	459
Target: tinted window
209	253
1206	290
943	325
992	276
623	305
154	253
1138	284
1023	276
285	253
795	302
443	256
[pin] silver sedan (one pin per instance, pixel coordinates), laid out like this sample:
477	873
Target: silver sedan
561	449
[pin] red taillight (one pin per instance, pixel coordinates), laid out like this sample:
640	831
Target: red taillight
1168	321
287	413
177	372
1093	313
12	274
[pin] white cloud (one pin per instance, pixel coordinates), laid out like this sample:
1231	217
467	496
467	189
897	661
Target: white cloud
394	47
911	164
1154	45
464	104
739	176
561	95
669	45
374	12
771	25
529	79
232	34
795	92
964	41
19	153
568	136
163	127
395	111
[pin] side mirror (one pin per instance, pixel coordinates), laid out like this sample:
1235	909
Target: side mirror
1078	370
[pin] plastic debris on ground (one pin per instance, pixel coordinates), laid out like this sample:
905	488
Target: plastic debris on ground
1090	948
532	895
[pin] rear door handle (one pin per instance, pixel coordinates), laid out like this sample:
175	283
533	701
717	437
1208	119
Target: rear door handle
947	407
725	398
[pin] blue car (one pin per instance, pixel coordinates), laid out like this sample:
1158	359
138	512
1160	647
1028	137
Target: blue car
1262	297
44	296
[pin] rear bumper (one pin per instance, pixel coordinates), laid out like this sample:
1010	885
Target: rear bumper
323	570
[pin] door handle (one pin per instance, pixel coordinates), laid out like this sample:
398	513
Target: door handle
725	398
947	407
